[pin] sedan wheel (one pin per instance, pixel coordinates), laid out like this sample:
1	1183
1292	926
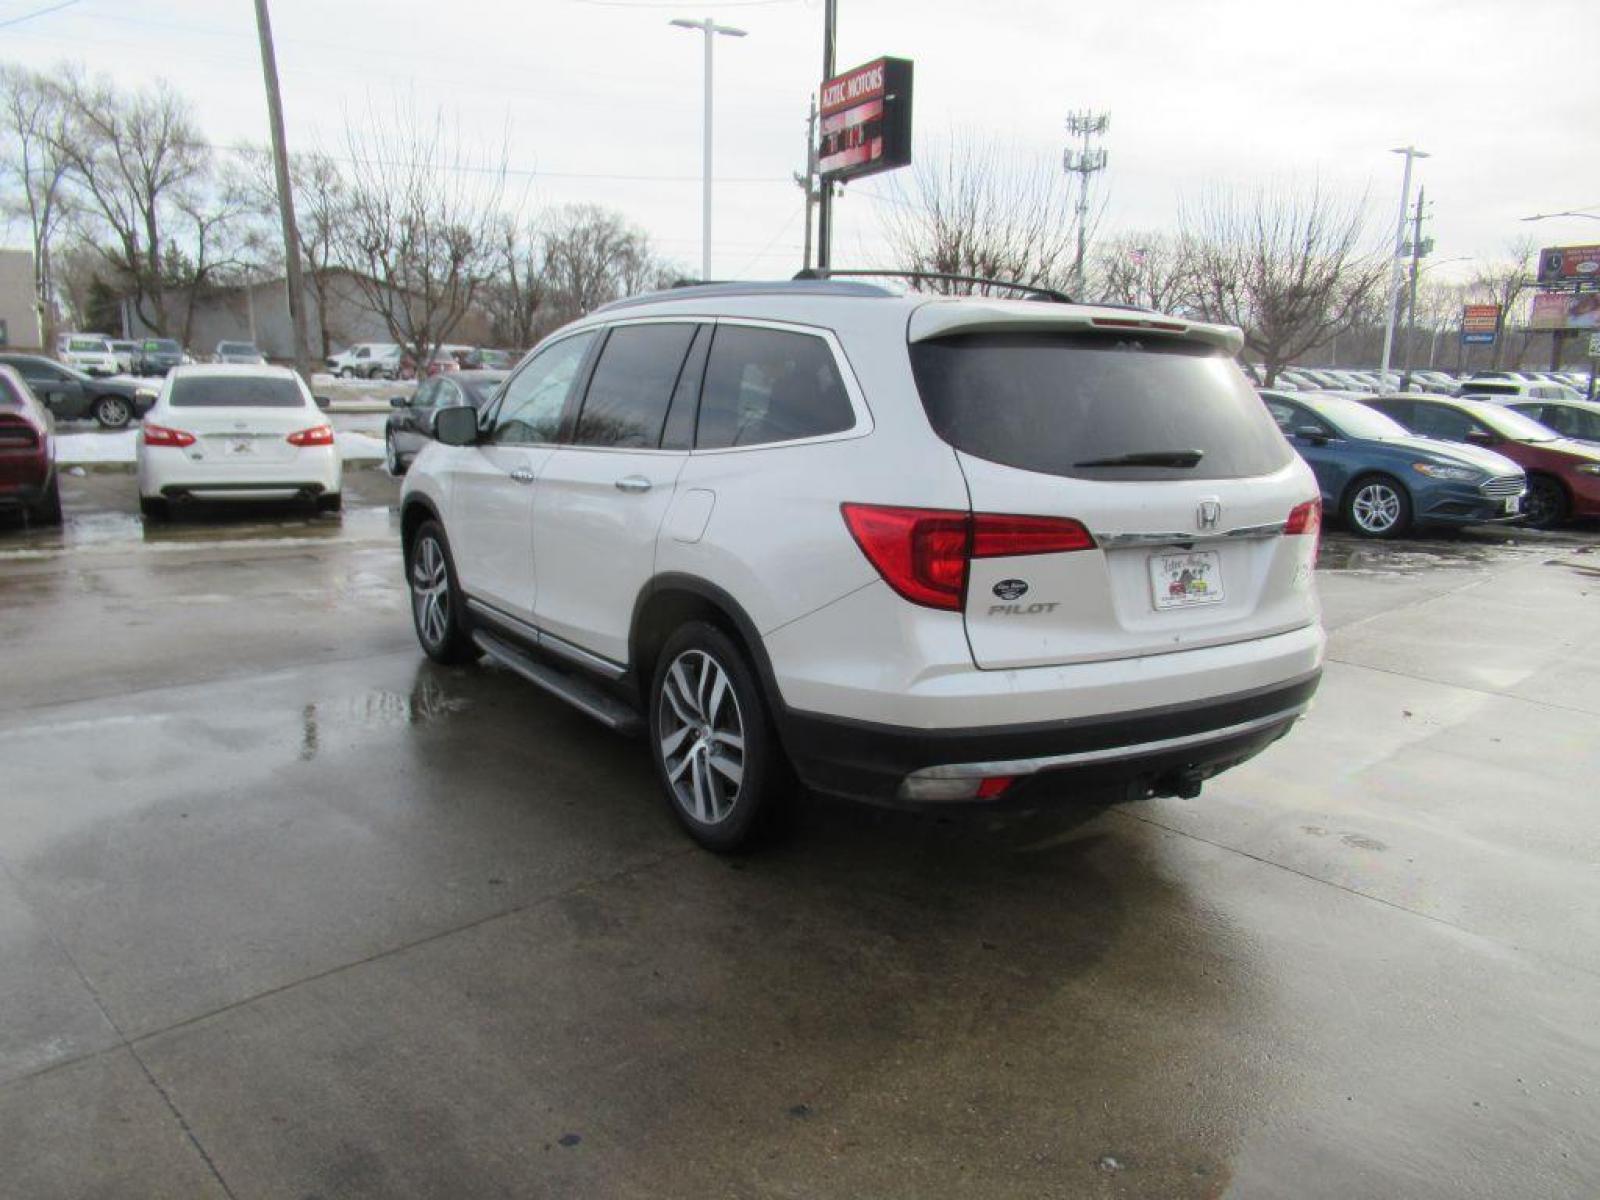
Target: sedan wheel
1378	508
113	412
701	733
1545	505
391	456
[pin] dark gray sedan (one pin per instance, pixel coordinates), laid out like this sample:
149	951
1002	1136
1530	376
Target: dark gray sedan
410	425
71	395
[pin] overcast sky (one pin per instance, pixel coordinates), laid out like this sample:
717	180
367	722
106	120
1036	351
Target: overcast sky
602	99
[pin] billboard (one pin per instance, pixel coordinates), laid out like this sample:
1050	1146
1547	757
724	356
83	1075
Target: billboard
865	120
1479	322
1553	311
1570	265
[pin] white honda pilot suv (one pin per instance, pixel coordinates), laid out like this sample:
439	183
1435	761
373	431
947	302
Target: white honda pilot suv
908	548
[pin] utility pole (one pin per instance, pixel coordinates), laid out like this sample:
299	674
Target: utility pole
808	181
830	17
1084	161
711	29
1393	305
280	166
1418	249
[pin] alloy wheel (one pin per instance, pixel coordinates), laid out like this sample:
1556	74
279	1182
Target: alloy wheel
391	455
430	591
1376	508
112	412
701	732
1542	505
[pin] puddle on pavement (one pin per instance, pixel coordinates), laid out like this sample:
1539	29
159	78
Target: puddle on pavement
428	700
224	527
1461	552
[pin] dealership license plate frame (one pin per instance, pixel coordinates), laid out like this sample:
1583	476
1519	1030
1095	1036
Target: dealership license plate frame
1166	568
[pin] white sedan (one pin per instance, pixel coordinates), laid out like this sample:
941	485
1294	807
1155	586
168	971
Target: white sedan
222	432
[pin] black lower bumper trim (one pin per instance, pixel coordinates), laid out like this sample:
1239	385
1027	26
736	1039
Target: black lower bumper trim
868	761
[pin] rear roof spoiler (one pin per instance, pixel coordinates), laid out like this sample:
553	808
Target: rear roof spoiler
942	318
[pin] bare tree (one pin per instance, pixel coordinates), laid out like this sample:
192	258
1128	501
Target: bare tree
135	158
592	256
980	209
322	213
33	132
423	227
1149	270
515	295
1291	267
1504	282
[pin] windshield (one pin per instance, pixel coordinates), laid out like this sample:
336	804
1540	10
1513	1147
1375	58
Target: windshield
1097	406
161	346
236	348
88	346
235	391
1511	424
1356	420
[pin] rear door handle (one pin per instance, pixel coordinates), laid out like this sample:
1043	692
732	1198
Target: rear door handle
522	475
633	483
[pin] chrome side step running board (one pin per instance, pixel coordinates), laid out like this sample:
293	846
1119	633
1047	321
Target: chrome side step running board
581	694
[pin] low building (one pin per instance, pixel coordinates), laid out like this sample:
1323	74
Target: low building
259	313
19	315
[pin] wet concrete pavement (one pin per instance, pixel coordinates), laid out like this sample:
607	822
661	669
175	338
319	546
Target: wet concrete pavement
286	911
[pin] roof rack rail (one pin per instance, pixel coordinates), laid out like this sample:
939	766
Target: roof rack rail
1034	292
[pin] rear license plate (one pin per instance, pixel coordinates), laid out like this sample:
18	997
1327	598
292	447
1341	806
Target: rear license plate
241	446
1184	579
1513	505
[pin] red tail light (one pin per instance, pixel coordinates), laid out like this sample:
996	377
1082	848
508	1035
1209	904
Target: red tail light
160	435
1305	518
17	434
923	553
317	435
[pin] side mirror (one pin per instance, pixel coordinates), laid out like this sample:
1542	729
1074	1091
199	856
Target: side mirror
400	402
1312	434
456	425
1481	437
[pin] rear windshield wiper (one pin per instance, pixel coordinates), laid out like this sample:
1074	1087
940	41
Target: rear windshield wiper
1148	458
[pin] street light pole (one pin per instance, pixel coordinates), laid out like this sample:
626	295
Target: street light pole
280	170
1397	266
830	20
710	28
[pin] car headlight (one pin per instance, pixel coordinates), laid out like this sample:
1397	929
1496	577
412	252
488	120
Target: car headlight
1589	468
1445	471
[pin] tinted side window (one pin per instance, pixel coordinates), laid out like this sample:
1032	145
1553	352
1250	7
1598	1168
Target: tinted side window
626	404
1436	421
530	410
425	395
769	385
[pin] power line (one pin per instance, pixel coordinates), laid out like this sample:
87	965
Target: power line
38	12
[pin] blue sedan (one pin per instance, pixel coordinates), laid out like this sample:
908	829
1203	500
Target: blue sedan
1383	479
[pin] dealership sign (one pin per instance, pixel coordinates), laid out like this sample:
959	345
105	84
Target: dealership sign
1569	266
1479	323
1552	311
866	120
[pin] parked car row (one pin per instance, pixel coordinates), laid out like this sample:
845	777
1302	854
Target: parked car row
386	360
1391	463
69	394
1546	384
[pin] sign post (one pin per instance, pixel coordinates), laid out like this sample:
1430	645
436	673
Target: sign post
1479	323
864	126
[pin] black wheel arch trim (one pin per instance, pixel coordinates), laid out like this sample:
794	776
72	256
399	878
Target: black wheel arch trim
746	628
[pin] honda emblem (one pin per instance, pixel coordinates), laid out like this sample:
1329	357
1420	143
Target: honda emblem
1208	514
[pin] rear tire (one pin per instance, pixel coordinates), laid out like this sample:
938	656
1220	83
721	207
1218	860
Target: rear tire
154	509
347	372
436	604
112	412
391	456
716	754
1546	504
48	510
1377	506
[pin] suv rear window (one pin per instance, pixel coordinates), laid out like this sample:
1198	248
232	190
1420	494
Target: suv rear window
1052	402
1484	387
237	391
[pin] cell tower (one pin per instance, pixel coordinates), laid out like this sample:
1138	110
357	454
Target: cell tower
1084	160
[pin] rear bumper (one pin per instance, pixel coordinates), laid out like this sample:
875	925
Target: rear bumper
1144	752
168	472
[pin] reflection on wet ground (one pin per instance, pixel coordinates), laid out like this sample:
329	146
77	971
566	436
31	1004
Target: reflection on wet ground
1454	550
